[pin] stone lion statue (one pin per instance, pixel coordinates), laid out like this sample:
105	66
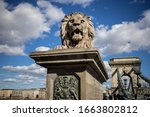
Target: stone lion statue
77	31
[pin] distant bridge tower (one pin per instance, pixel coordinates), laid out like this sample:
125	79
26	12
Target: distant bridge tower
128	69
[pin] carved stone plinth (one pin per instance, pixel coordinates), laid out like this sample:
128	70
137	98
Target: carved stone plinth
73	73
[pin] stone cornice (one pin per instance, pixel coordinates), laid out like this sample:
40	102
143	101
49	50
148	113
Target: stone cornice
70	59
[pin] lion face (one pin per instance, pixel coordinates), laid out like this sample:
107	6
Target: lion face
77	27
77	31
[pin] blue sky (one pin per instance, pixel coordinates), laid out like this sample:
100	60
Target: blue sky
122	29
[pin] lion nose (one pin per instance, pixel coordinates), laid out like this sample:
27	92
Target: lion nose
76	23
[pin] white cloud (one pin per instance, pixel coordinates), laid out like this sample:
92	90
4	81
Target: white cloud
84	3
42	48
32	69
57	33
108	83
108	68
53	13
30	81
25	22
124	37
12	50
21	24
25	76
10	80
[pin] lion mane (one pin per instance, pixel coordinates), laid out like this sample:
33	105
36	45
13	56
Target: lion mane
77	31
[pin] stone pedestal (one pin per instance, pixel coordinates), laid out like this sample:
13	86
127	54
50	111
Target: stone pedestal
85	65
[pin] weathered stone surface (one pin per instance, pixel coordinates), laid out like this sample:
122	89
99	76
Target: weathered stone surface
84	64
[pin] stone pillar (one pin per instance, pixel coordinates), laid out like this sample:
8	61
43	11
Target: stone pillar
85	65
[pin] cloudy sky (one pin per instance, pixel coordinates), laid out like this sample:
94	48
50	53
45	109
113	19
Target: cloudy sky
122	29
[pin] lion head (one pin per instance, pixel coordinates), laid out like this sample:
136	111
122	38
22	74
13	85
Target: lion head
77	31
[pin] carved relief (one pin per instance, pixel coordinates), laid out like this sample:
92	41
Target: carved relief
66	87
76	31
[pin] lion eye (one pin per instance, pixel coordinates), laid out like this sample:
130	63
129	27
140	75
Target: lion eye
82	21
72	21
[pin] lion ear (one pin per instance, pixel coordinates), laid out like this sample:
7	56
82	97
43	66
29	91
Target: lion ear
66	18
88	18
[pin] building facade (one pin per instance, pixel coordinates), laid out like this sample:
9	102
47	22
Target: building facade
23	94
6	93
42	93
